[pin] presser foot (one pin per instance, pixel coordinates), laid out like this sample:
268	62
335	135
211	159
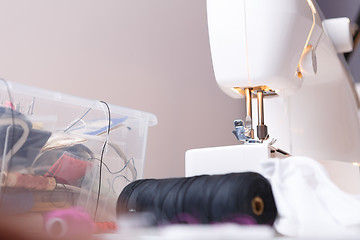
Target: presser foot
241	132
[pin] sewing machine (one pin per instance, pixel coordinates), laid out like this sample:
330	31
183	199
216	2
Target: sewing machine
286	62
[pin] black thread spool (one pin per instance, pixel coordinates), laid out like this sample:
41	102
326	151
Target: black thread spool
206	198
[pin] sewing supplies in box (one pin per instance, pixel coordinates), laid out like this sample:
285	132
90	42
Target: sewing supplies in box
60	152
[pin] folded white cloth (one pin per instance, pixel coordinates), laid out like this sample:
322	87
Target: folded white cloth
309	203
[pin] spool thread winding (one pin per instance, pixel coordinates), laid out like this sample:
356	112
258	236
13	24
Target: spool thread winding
244	198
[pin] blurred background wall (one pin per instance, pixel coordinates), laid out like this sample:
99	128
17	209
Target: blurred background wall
149	55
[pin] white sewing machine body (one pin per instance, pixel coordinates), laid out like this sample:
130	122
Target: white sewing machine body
280	47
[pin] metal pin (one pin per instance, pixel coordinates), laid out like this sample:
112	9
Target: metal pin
248	108
262	132
260	105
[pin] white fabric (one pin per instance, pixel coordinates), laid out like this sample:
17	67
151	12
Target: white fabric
309	204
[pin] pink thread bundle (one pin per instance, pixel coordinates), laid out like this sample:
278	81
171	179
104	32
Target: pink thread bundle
69	223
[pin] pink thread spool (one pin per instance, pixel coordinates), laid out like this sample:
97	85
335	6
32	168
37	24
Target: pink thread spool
69	223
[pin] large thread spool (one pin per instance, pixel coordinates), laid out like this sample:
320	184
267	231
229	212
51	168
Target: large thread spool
237	197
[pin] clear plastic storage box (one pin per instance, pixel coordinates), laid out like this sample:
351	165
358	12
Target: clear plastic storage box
59	151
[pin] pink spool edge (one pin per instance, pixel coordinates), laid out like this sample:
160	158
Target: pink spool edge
75	222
